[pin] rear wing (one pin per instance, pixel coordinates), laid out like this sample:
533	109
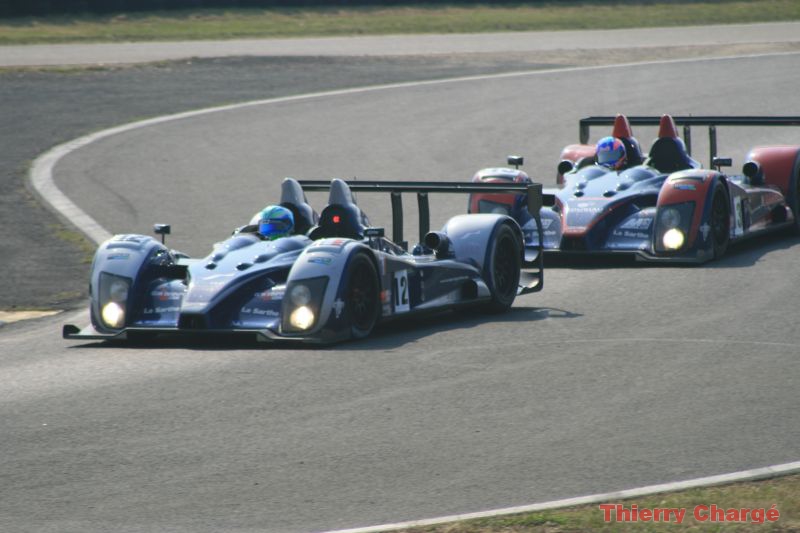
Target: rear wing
423	188
530	281
687	122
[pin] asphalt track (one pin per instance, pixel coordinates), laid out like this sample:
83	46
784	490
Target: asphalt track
403	45
613	377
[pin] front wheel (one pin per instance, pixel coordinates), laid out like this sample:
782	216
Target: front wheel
720	221
502	270
362	295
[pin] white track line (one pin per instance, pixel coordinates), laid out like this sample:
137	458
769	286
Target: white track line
609	497
41	173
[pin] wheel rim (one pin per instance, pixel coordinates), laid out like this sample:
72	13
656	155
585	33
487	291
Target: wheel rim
362	297
719	220
504	267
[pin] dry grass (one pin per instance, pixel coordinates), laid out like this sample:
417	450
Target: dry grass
261	23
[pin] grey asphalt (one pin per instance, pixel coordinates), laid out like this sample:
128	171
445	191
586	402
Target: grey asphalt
615	376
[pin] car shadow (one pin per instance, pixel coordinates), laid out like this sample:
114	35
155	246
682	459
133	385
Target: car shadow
740	255
393	334
397	333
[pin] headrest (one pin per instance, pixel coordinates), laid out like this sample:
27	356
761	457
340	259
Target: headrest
622	128
667	127
292	192
340	193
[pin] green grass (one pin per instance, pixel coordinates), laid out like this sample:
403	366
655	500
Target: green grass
783	492
261	23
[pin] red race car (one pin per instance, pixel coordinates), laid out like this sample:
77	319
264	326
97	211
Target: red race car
660	205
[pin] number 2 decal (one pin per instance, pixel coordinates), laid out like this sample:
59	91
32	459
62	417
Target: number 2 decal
400	292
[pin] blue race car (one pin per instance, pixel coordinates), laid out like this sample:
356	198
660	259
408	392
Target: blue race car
659	206
333	279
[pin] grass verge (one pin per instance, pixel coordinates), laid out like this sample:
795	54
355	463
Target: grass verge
264	23
782	492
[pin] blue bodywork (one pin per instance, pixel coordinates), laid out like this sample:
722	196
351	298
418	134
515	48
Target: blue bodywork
303	287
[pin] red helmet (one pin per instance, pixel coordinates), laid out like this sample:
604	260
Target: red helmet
504	204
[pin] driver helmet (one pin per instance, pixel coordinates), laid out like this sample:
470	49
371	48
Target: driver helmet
275	222
611	153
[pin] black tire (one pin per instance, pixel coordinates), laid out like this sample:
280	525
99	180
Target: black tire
720	221
502	270
362	295
794	204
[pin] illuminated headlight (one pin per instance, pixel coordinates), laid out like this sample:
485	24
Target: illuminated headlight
302	318
670	218
301	308
113	299
673	227
673	239
113	315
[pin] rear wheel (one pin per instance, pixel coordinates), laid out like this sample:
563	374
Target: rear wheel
503	269
720	221
361	295
794	204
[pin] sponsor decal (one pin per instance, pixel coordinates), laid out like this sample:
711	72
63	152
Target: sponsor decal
738	215
701	179
705	229
204	291
271	294
129	238
546	223
338	307
616	512
118	257
160	310
320	260
333	246
164	295
585	207
631	234
260	312
685	186
637	223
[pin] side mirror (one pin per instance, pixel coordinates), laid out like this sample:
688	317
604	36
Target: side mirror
719	162
565	166
753	172
163	230
515	160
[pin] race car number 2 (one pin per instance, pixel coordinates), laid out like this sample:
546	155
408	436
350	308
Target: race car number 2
400	292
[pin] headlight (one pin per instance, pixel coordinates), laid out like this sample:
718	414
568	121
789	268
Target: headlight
673	224
118	291
113	299
301	308
670	218
113	315
300	295
673	239
302	318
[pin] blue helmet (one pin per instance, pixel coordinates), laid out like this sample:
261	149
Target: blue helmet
275	222
611	153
